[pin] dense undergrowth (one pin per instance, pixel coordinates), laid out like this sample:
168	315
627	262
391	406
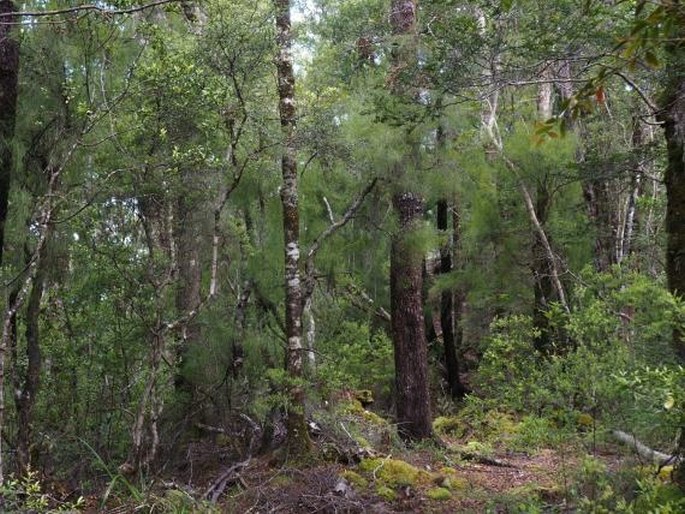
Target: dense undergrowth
534	435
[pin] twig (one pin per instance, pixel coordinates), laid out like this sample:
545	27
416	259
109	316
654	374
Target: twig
219	485
88	7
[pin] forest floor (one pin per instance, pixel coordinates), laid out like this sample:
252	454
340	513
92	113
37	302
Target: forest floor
360	466
510	482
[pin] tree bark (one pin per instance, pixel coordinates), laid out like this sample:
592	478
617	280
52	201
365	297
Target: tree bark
406	265
26	395
9	75
408	329
298	438
672	115
450	302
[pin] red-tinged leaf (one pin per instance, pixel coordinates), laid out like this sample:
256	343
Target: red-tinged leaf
599	95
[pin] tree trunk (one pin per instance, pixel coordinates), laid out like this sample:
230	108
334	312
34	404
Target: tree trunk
543	288
406	264
449	322
298	438
408	329
26	396
9	74
672	115
188	294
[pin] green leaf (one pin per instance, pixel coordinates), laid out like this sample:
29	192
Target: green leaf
651	59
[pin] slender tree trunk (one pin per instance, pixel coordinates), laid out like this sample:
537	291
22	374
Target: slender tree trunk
450	300
26	396
449	322
543	287
188	295
9	75
298	437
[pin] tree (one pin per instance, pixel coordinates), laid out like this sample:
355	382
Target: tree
406	263
9	76
298	437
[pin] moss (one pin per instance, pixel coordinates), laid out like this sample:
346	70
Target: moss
386	493
394	472
355	408
439	493
584	421
501	423
451	425
355	479
666	473
364	396
449	478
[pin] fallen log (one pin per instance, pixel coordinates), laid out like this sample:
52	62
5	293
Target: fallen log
644	451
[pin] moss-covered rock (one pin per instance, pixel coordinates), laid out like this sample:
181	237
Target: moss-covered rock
395	472
439	493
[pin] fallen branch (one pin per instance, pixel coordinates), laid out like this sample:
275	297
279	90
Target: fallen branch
644	451
227	477
482	459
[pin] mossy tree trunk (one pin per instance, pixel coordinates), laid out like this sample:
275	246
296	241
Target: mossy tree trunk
298	438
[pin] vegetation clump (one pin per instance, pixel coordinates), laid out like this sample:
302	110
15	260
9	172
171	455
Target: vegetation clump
439	493
394	472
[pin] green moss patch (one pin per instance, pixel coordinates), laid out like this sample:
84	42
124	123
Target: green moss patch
355	479
439	493
394	472
386	493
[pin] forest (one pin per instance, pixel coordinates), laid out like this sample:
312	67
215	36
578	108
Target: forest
298	256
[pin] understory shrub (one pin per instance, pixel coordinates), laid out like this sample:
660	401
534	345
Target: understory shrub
613	368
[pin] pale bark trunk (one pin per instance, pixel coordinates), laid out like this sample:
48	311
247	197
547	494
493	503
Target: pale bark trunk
298	438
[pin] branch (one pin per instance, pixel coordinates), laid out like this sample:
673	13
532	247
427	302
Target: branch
530	207
309	279
88	8
353	292
643	450
333	227
642	94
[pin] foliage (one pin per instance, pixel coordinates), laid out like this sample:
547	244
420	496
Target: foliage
26	494
356	358
588	376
